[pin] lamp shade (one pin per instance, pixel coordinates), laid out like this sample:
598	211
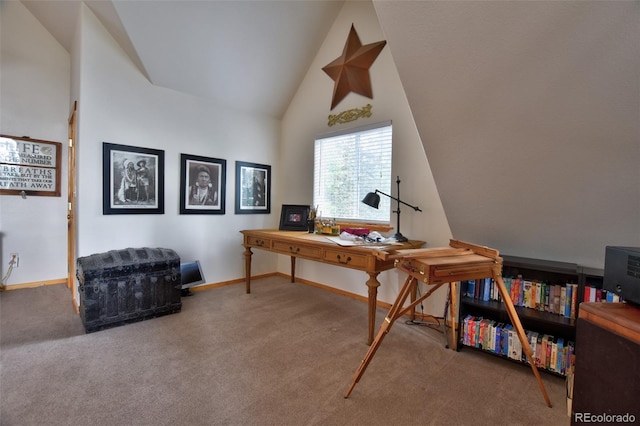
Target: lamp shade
372	199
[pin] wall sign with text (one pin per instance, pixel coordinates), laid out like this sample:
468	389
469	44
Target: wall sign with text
29	165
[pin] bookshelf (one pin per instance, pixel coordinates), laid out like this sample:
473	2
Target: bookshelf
551	329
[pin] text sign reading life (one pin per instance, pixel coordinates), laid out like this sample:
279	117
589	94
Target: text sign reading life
29	165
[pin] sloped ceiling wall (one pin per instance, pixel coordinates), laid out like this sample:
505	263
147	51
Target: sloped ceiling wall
528	113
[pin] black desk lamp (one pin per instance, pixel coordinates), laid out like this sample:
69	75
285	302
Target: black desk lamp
373	199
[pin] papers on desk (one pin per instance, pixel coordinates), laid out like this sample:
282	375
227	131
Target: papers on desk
350	243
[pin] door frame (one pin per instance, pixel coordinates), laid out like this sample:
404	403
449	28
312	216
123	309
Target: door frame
71	207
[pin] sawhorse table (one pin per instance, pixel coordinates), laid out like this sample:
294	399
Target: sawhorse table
438	266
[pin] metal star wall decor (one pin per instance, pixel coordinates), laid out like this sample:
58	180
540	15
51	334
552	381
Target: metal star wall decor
350	71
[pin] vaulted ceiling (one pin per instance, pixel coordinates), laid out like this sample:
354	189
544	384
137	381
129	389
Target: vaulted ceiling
249	55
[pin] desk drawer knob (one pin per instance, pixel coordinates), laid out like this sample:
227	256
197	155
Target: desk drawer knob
347	260
292	250
259	243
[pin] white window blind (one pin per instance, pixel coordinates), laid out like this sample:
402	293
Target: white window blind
347	166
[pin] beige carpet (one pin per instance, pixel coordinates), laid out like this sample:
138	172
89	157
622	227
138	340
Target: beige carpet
283	355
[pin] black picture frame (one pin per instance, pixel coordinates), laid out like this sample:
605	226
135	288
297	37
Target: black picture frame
211	199
132	180
253	188
294	217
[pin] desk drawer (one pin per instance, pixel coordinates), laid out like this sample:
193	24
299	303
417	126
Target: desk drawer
294	249
258	242
345	259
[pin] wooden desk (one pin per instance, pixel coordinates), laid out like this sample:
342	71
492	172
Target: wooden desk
607	369
320	249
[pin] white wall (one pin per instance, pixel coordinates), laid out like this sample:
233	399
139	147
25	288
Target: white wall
118	105
34	96
306	117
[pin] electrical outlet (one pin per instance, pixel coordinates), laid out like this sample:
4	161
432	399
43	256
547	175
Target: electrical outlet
15	258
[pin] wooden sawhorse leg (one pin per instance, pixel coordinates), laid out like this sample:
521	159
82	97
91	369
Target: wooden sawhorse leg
397	310
517	325
450	309
453	309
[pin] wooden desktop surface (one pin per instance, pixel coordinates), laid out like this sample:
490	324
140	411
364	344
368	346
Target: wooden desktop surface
620	318
369	258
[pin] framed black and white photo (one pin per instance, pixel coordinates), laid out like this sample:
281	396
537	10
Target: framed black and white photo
202	185
132	180
253	188
294	217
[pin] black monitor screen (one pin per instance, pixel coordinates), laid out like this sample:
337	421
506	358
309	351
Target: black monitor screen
191	274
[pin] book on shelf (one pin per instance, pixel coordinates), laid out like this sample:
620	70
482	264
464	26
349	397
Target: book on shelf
569	356
547	290
526	294
559	356
491	341
539	304
471	288
504	339
539	359
472	331
553	357
533	342
547	361
574	301
498	343
486	292
566	306
465	330
480	330
544	363
563	300
556	299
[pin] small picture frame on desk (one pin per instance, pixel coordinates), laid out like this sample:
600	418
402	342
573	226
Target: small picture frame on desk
294	217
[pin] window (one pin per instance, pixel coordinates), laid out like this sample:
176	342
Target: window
348	165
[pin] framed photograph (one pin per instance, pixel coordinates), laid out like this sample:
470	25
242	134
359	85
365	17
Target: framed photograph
294	217
132	180
202	185
29	166
253	188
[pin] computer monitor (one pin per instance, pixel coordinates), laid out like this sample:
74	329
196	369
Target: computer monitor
191	274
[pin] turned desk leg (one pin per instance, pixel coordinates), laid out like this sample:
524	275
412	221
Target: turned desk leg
373	285
247	268
293	269
414	295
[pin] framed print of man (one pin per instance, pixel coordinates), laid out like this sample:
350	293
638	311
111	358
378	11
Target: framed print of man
202	181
